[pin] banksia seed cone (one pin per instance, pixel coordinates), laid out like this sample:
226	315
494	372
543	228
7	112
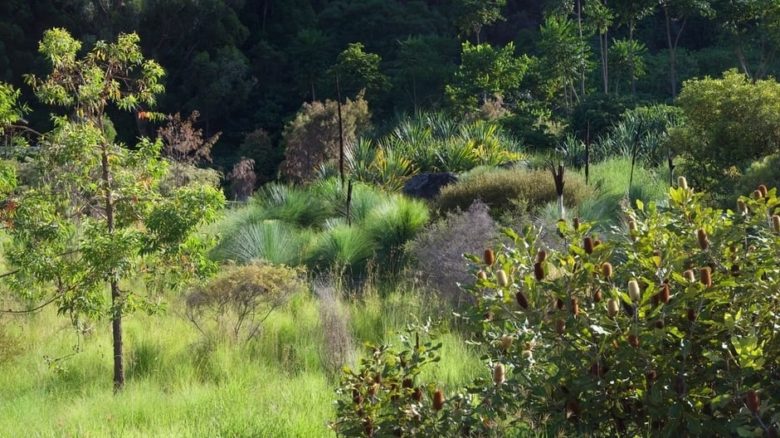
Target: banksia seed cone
522	300
438	400
538	271
417	394
606	270
665	294
596	243
612	307
499	375
704	242
633	340
560	326
541	256
659	324
482	275
506	342
575	307
651	376
762	188
633	291
631	225
691	314
489	257
576	223
503	280
776	223
682	182
527	354
706	276
407	383
690	277
752	401
735	270
588	245
356	397
742	207
558	303
597	296
757	194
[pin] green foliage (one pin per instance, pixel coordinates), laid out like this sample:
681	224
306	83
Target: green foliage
485	72
502	189
565	57
642	132
668	329
627	63
236	302
764	171
731	121
10	109
358	70
269	240
394	222
89	211
343	248
474	14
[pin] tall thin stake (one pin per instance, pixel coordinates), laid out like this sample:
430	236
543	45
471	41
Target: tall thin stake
341	132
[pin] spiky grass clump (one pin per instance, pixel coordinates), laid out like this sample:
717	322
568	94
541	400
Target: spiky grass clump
271	240
343	247
293	205
394	222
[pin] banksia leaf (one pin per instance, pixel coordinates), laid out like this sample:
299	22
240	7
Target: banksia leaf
752	401
706	276
588	245
503	280
606	270
633	291
538	271
499	374
612	307
682	182
489	257
522	300
704	242
438	400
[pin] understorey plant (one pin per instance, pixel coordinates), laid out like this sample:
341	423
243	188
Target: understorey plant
670	327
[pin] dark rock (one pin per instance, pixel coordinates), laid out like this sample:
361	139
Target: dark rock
428	185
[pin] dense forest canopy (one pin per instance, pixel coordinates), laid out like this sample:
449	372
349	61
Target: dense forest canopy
248	66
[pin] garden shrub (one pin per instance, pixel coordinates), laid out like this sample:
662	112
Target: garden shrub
235	303
498	189
765	171
437	252
669	329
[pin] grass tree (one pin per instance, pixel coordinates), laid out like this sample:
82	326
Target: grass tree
88	215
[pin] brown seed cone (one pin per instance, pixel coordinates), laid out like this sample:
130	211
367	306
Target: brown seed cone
482	275
704	242
665	294
558	303
742	207
764	191
776	223
651	376
689	276
597	296
597	369
506	343
489	257
633	340
503	280
576	223
587	244
407	383
417	394
752	401
659	324
631	225
499	375
438	400
368	427
606	270
682	182
560	326
691	314
735	270
612	307
757	194
575	307
541	256
522	300
706	276
538	271
356	397
680	386
596	243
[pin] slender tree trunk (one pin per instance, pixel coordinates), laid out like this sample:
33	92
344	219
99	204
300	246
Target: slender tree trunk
604	61
582	53
116	295
742	60
631	59
673	43
341	133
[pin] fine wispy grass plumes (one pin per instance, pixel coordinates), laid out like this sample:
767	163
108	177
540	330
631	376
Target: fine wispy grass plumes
338	346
